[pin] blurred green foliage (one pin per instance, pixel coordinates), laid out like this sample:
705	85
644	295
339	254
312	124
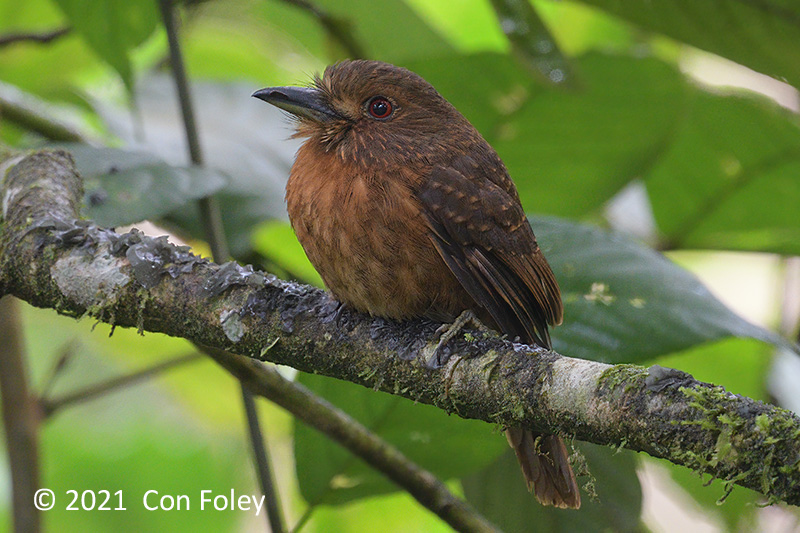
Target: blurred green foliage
716	168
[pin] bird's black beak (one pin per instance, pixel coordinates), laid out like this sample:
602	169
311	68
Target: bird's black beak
303	102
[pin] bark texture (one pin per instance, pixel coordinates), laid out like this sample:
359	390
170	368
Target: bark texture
51	258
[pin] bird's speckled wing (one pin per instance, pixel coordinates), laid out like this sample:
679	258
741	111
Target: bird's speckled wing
479	228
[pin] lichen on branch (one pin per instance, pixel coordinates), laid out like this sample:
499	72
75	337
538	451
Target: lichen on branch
50	258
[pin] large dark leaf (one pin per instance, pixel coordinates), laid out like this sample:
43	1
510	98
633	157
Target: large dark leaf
499	493
764	35
568	151
447	445
625	302
124	187
240	136
720	168
374	27
730	180
531	40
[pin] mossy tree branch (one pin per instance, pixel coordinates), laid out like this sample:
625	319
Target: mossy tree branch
349	433
50	259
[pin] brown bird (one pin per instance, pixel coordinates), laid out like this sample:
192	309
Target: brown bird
406	211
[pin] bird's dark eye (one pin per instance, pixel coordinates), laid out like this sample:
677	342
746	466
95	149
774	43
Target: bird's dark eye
379	107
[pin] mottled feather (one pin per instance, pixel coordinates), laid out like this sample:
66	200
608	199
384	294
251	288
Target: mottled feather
416	215
481	232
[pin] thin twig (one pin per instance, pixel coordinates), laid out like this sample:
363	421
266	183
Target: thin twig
425	487
61	362
211	217
209	208
50	406
31	114
306	516
34	37
273	507
21	419
375	426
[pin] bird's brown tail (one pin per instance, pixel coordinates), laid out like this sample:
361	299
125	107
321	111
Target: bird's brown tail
546	468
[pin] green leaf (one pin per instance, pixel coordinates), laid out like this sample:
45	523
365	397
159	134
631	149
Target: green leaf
720	169
739	510
625	302
446	445
52	71
125	187
763	35
368	23
398	512
164	434
494	88
250	40
729	181
113	28
470	28
242	138
242	212
568	151
739	365
499	493
531	39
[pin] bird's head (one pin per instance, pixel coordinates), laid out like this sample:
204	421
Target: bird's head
370	111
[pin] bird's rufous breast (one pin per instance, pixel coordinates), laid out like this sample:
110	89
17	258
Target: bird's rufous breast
372	248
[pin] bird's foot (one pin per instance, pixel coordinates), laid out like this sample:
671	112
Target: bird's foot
446	332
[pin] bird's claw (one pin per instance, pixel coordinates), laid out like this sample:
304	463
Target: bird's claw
446	333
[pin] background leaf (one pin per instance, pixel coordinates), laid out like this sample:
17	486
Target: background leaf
125	187
448	446
369	26
729	180
499	493
241	137
113	28
568	151
627	303
763	35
